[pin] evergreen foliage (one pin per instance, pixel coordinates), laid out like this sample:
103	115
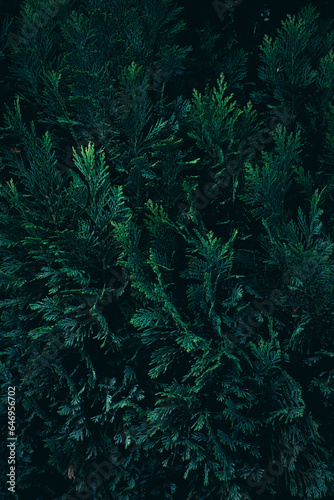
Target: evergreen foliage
138	322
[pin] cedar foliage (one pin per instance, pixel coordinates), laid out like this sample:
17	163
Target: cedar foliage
125	290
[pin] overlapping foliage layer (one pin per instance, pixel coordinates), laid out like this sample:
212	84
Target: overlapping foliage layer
165	374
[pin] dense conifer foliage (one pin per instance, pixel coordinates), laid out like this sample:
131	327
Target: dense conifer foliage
166	257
